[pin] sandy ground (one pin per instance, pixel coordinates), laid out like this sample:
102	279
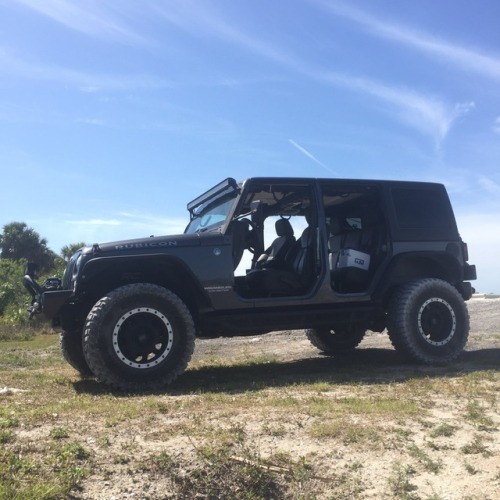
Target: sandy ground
461	476
484	340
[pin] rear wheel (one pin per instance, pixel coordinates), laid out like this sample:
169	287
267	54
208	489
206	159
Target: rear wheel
138	337
340	340
428	321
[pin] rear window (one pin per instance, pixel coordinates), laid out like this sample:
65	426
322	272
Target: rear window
422	208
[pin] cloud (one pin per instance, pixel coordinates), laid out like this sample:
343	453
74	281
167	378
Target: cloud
86	82
115	226
201	19
426	113
489	185
496	126
95	222
465	58
93	18
133	221
429	114
95	122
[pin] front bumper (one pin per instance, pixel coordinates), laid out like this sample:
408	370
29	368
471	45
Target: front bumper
47	299
53	301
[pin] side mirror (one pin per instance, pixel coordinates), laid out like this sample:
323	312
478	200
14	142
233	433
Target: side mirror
31	269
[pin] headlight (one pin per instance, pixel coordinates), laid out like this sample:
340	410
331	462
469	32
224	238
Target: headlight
76	267
71	271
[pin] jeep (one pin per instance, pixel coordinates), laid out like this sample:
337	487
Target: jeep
334	257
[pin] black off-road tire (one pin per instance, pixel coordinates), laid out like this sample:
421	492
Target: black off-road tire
72	351
339	340
138	337
428	321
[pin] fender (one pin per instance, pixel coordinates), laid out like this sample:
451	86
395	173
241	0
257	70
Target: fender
102	274
416	265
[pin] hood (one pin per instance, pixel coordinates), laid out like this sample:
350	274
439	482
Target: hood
148	245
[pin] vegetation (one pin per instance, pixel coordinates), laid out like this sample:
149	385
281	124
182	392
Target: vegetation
20	244
253	428
68	250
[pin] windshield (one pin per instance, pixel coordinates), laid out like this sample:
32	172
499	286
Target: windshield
211	215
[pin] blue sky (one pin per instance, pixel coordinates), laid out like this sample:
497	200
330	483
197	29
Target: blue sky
113	115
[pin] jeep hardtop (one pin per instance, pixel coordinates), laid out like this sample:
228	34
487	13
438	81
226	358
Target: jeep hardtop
334	257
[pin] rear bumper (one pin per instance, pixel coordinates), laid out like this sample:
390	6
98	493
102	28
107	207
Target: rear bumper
466	290
470	272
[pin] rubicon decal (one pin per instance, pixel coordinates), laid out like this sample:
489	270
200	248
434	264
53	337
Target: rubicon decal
218	289
152	244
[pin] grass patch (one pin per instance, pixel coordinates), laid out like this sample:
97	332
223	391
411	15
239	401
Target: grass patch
232	472
50	475
476	414
255	428
423	458
59	433
347	432
400	485
443	430
477	447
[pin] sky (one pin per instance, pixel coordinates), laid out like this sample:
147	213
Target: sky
115	114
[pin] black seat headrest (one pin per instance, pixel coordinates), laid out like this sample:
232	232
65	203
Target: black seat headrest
283	227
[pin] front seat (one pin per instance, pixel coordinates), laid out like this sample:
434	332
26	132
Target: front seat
294	277
274	256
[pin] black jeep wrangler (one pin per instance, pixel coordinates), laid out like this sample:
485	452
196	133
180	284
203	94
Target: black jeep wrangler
336	257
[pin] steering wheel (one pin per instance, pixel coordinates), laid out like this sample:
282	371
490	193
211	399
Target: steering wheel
245	236
254	242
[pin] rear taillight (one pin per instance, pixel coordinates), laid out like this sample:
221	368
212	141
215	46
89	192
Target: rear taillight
466	251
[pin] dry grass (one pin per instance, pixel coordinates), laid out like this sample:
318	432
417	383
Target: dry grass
257	427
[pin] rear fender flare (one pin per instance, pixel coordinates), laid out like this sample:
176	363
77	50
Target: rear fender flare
413	266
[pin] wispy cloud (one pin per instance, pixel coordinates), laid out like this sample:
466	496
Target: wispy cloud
13	64
202	19
132	220
154	223
93	18
307	153
95	222
496	125
94	122
489	185
111	227
430	115
463	57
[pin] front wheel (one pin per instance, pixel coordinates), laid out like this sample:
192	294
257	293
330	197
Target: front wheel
138	337
72	351
428	321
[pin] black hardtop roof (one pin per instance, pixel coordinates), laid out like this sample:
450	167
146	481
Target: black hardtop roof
340	180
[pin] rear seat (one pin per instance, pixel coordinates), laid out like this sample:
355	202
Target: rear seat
349	258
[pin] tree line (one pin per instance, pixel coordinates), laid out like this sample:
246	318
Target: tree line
20	244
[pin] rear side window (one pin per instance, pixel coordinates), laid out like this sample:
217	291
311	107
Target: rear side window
422	208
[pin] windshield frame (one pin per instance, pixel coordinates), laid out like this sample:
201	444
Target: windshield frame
218	201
